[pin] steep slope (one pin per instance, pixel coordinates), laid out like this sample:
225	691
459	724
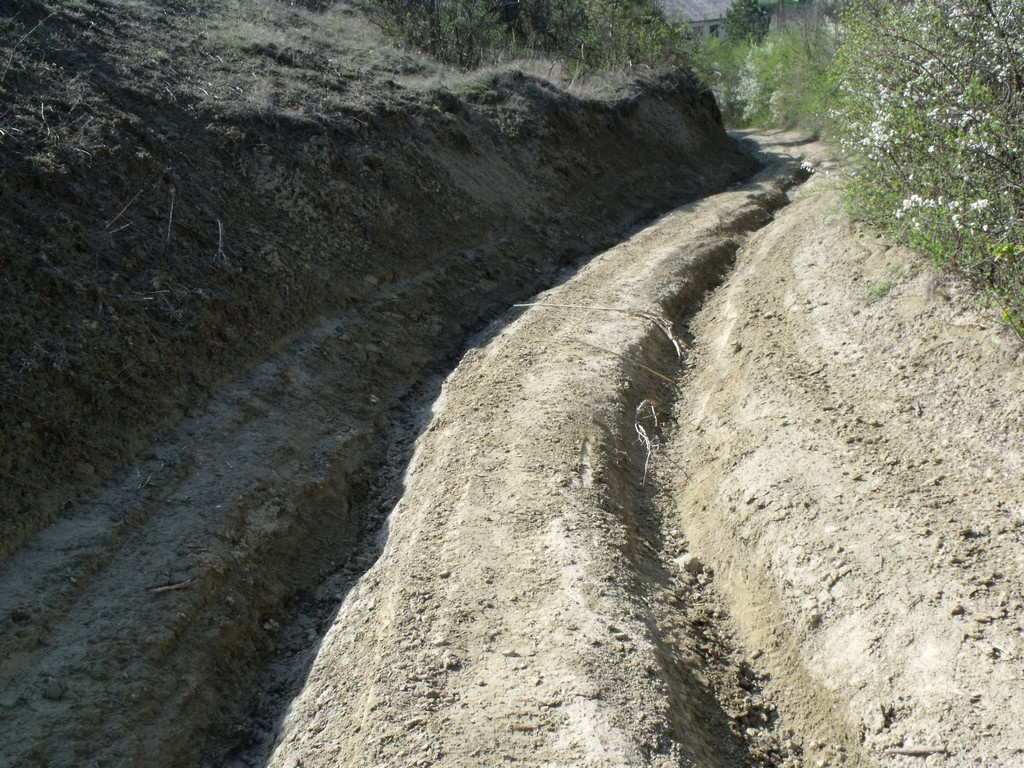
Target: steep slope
237	254
175	213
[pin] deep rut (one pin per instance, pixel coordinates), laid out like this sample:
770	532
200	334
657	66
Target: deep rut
530	602
647	522
756	553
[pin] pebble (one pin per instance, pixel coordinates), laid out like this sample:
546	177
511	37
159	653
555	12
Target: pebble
690	563
54	689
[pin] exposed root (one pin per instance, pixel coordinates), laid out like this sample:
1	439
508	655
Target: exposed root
662	376
677	342
641	432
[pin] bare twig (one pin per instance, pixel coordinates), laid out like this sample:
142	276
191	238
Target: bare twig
659	321
629	360
171	587
121	212
170	220
650	406
916	751
645	441
641	433
221	257
28	483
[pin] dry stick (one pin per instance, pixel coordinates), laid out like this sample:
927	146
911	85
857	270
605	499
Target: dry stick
651	371
170	220
916	751
171	587
124	209
661	322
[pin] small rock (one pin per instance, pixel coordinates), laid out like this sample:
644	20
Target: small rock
54	689
875	720
690	563
448	661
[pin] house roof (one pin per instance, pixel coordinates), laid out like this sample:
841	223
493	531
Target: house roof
692	11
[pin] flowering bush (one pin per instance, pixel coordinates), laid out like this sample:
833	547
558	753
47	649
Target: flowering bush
779	81
931	108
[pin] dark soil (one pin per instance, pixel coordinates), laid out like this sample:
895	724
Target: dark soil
240	241
188	186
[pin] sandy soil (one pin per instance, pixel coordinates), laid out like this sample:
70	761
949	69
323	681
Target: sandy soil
743	490
804	550
239	255
850	426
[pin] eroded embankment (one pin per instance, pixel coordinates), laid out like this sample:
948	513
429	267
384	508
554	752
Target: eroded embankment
529	604
817	564
140	279
141	613
846	455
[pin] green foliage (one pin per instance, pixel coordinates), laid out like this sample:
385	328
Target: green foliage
720	63
897	272
931	110
783	81
746	20
590	34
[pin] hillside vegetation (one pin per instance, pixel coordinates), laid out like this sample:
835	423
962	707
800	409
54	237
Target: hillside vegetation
576	35
926	100
930	104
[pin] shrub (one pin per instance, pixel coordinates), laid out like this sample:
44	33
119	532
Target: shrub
931	110
589	34
746	20
783	81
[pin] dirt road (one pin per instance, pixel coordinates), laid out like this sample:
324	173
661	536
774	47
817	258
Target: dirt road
795	542
743	490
